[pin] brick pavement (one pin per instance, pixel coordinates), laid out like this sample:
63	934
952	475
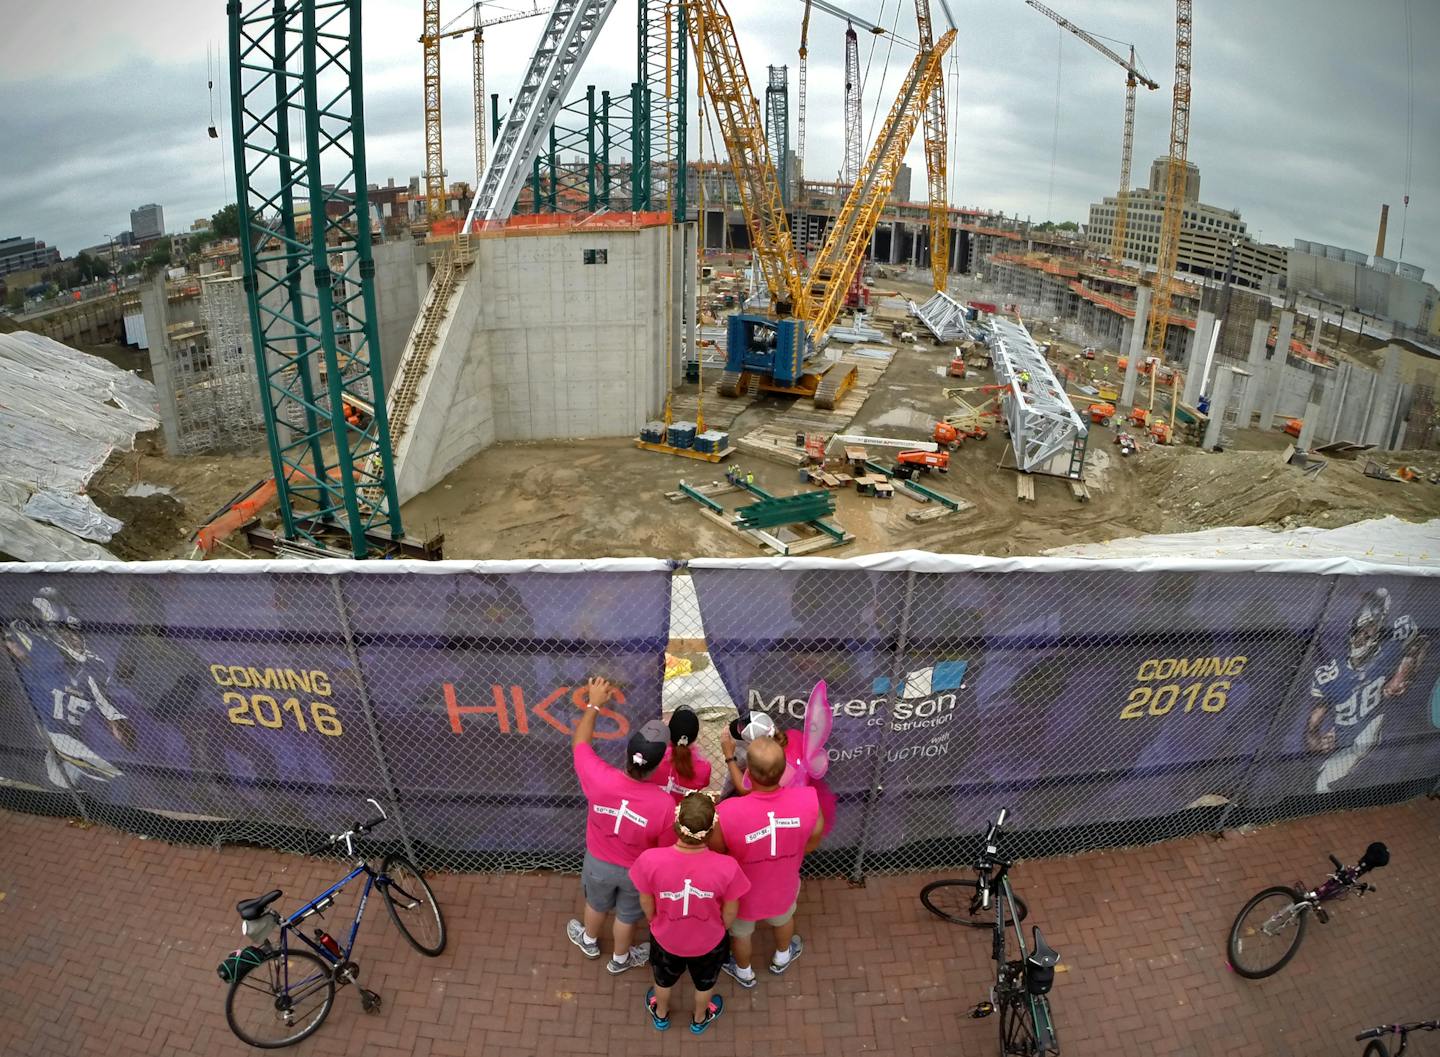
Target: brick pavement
108	945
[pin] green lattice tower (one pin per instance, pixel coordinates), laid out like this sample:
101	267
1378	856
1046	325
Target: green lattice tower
777	126
661	70
297	118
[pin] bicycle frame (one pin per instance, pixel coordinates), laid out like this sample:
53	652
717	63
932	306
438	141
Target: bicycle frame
292	923
1039	1005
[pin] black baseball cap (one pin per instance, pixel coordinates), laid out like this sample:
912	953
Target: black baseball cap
647	745
684	724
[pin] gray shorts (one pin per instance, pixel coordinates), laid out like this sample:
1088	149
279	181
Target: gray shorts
740	928
608	887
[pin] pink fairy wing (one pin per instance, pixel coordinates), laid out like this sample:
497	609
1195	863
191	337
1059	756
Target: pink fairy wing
818	721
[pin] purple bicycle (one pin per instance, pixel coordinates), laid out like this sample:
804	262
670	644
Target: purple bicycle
1268	930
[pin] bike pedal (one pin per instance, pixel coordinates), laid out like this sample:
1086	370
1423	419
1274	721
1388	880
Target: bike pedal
1322	916
369	1001
982	1010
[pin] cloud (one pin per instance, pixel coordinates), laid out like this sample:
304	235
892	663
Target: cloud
1298	120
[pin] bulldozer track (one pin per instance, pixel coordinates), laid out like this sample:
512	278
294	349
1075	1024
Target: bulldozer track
729	384
833	386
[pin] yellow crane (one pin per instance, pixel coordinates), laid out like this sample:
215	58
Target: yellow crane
430	42
935	154
1133	77
773	349
1174	184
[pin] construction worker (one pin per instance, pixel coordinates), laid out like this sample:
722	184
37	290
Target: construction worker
749	478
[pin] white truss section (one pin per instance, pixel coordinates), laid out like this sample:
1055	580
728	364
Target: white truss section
1048	434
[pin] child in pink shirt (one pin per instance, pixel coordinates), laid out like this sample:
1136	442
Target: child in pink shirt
683	770
691	895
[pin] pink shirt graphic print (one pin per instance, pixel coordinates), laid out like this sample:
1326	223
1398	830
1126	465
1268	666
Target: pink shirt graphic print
623	816
767	834
690	890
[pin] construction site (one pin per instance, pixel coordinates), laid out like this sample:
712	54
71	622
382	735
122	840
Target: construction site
644	330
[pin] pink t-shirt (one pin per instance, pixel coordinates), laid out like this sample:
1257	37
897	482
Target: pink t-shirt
690	890
767	834
624	815
665	777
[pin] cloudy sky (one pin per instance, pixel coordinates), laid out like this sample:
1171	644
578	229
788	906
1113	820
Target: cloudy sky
1299	109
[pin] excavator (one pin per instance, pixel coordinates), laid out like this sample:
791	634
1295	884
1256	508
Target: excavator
778	351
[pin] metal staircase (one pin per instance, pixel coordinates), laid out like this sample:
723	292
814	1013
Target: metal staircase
566	39
415	361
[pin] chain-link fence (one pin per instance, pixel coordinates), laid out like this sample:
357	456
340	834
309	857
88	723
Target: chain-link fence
1103	703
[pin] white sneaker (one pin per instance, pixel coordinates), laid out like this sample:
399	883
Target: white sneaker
576	933
639	955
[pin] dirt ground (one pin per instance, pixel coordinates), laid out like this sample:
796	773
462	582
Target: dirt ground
598	498
606	498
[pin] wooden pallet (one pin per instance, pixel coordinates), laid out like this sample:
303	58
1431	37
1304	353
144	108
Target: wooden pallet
1025	488
688	453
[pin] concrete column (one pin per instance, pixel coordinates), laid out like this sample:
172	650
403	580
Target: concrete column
1198	362
1220	396
1137	348
679	272
1341	385
1275	377
1307	430
156	310
1255	363
1366	421
894	242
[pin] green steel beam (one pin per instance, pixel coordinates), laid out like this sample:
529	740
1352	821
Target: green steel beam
702	499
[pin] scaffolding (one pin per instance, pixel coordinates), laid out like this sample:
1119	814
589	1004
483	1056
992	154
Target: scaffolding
213	374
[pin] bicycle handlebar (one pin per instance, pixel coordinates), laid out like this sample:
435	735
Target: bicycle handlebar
357	829
1373	1033
1338	864
1398	1029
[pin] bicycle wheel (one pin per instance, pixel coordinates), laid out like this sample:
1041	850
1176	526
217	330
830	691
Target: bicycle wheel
282	1000
412	905
1017	1026
1267	932
958	901
1376	1049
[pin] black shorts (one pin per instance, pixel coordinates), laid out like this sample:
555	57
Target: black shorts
704	968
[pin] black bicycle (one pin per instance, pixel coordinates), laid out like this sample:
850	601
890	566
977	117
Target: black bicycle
1022	985
1378	1048
1268	930
280	994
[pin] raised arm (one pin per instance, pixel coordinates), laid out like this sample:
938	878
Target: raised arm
737	776
597	696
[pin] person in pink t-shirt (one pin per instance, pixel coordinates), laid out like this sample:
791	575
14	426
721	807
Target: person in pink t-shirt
683	770
624	816
691	895
768	830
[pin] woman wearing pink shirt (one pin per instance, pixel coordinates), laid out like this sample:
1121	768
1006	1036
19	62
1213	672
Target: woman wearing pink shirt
691	895
683	770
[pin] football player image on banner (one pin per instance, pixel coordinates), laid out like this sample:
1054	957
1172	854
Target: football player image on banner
1355	687
69	686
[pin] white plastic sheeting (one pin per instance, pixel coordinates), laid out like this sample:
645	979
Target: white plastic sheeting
1387	540
76	514
62	413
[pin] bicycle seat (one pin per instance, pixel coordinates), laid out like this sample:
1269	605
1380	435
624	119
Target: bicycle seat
1043	954
250	909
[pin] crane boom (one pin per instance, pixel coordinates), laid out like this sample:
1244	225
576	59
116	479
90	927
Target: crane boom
935	155
1065	23
801	222
839	259
721	74
854	110
1174	184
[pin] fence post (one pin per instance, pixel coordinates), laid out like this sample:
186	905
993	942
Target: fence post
902	636
1302	670
391	793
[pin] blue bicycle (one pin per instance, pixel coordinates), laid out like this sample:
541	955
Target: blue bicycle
282	993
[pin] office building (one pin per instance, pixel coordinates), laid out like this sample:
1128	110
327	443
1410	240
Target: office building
147	222
19	254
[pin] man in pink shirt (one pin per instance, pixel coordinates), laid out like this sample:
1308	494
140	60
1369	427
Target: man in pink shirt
768	830
691	895
625	815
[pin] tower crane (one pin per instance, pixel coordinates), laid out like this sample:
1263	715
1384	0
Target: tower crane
1174	184
854	109
430	40
1133	77
936	150
801	220
773	349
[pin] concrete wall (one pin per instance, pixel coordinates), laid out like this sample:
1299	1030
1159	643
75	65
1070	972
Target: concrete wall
1372	291
575	349
401	279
